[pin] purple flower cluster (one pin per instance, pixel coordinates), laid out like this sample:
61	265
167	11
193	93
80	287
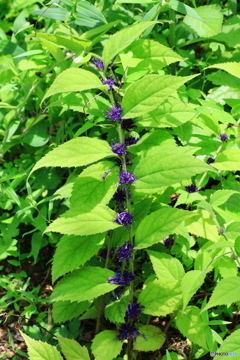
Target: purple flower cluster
115	114
126	178
120	195
124	253
134	310
130	140
98	63
121	278
128	124
127	331
124	218
210	160
168	242
223	137
119	149
110	82
191	188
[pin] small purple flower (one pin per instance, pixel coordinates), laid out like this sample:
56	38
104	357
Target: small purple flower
119	149
115	114
130	140
125	252
120	195
98	63
134	310
223	137
127	331
124	218
168	242
128	124
210	160
121	278
110	82
191	188
103	253
126	178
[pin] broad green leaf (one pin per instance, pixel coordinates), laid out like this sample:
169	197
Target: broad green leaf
186	322
203	225
116	310
219	197
72	252
88	15
166	168
158	225
237	246
166	266
72	350
190	283
161	297
70	42
233	230
228	160
51	13
67	310
226	292
171	113
121	39
149	92
188	198
154	340
232	68
152	54
83	284
105	346
76	152
94	34
74	79
213	18
184	9
30	64
227	267
231	346
38	350
136	1
54	49
75	222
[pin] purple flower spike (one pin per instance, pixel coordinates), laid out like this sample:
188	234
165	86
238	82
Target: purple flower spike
191	188
121	278
210	160
127	331
223	137
115	114
128	124
98	63
168	242
124	218
134	310
130	140
125	252
126	178
119	149
120	195
110	82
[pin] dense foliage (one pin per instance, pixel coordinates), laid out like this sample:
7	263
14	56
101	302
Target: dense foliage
120	160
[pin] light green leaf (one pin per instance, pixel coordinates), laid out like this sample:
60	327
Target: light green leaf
72	350
105	346
154	340
149	92
88	15
232	68
184	9
166	168
75	222
76	152
186	323
159	224
203	225
67	310
51	13
70	42
227	267
228	160
219	197
166	266
74	79
83	284
38	350
161	297
116	310
231	346
121	39
30	64
213	18
190	283
72	252
171	113
226	292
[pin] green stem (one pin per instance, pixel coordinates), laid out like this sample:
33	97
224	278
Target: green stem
172	37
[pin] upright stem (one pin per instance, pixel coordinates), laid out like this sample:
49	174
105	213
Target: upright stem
172	37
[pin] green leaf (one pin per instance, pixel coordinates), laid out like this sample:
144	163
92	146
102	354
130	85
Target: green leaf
88	15
159	224
186	322
232	68
83	284
67	310
74	79
237	246
227	267
230	345
185	9
123	38
161	297
149	92
75	222
154	340
213	18
174	167
51	13
116	310
171	113
72	252
219	197
226	292
190	283
38	350
228	160
69	155
203	225
105	346
72	350
70	42
166	266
